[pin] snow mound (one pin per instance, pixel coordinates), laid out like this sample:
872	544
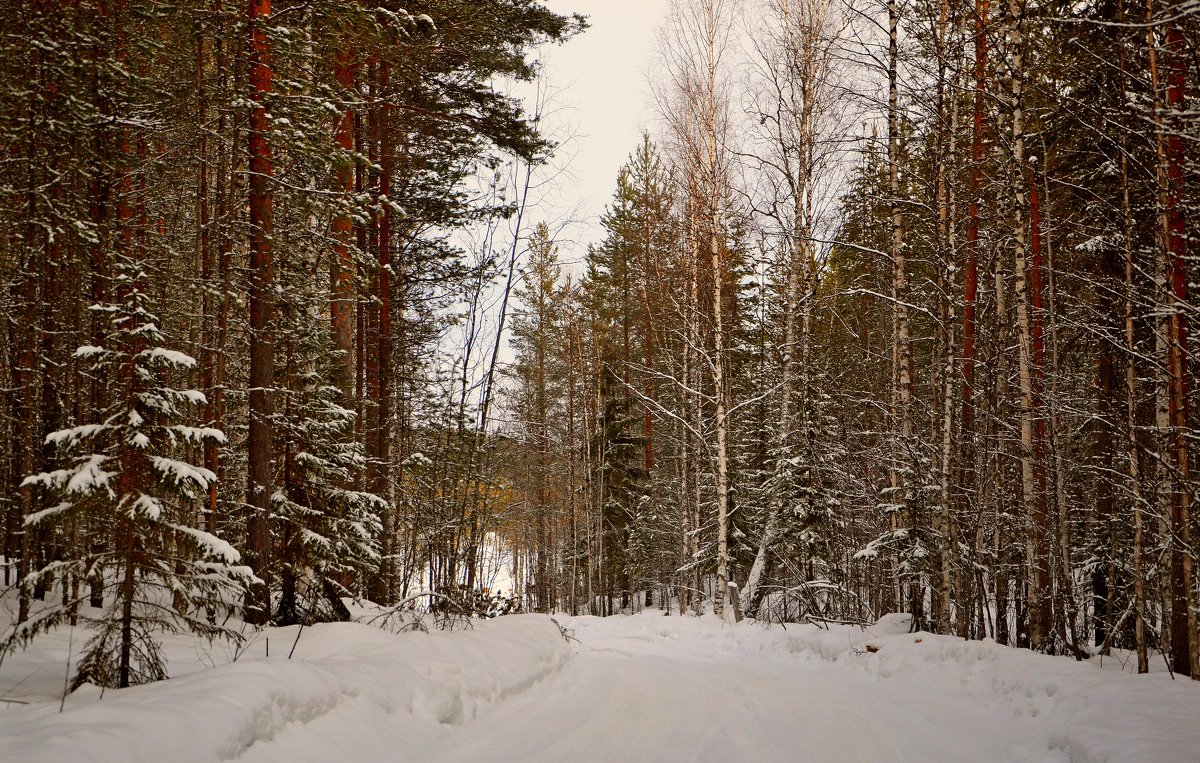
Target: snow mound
1084	712
1042	708
345	682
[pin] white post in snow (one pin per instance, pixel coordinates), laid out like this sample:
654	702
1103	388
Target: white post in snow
736	600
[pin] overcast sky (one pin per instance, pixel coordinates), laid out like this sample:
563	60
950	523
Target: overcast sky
599	83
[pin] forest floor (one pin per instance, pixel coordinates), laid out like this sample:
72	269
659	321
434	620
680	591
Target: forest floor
646	687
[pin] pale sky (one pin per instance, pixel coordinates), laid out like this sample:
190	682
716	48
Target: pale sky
599	82
600	103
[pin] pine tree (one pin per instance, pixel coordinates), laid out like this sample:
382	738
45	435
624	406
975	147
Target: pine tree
616	293
539	371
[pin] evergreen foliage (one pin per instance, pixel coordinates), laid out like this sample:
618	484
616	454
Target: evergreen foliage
129	472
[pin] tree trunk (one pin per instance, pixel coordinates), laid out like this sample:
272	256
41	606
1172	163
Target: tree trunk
209	286
1171	162
383	392
947	145
341	273
901	472
1184	647
967	450
1032	494
260	440
720	393
1131	441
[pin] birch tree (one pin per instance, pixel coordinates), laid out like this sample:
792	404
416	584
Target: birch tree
694	46
797	106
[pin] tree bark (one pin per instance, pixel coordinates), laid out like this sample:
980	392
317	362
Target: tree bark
967	451
1173	429
261	440
341	267
901	471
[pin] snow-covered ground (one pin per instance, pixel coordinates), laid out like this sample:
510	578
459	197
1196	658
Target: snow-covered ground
644	687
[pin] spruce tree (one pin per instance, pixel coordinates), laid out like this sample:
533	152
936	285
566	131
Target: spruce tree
130	471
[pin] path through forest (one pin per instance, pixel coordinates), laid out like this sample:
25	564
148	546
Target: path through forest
626	697
652	688
645	687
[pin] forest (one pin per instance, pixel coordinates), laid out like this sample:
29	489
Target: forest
888	313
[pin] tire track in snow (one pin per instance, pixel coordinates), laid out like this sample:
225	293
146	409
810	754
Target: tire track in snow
636	700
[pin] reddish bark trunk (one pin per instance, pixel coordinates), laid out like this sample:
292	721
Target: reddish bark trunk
966	461
342	302
261	440
358	331
383	351
1183	615
1038	372
207	278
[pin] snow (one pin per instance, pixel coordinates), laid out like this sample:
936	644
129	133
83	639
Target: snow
86	476
89	351
631	688
167	357
183	474
74	434
148	506
350	692
649	687
212	546
197	435
37	516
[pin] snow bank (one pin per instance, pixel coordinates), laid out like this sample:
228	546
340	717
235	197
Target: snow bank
350	692
641	687
1054	708
1087	713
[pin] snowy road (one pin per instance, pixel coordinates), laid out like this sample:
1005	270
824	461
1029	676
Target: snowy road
640	688
640	697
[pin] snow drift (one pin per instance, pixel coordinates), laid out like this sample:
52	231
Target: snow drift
350	692
632	688
989	702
